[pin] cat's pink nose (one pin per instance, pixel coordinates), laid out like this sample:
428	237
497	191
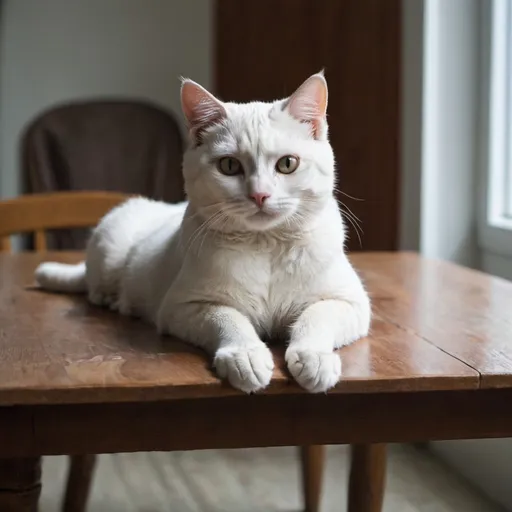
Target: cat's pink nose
259	198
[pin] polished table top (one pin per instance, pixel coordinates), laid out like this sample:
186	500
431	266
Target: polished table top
436	327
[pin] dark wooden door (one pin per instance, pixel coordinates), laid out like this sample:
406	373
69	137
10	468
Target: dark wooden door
266	48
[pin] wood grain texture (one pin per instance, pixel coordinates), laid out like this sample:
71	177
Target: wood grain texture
242	422
367	478
465	313
56	348
74	376
38	212
358	44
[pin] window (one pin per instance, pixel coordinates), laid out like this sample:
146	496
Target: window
495	231
508	91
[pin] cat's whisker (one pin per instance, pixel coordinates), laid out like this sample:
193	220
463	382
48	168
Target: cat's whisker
226	220
348	213
336	189
351	212
354	224
192	237
197	232
212	226
202	210
353	219
300	221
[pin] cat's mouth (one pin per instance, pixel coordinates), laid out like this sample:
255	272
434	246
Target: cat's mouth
264	219
265	214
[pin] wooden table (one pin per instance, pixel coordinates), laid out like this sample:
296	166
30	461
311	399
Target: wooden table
75	379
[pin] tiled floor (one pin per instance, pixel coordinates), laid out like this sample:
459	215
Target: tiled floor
257	480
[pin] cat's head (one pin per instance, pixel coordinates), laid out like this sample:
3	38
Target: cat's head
257	166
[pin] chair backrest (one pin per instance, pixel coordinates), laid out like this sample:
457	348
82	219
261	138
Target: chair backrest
127	146
38	212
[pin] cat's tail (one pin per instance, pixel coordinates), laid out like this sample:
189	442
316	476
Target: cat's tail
59	277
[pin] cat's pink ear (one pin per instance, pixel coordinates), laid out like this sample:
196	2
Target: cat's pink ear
201	108
308	104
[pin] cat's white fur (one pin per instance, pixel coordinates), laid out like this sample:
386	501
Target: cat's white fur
223	273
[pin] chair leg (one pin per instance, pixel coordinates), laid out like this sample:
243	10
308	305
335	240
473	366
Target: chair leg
20	484
367	478
312	460
81	471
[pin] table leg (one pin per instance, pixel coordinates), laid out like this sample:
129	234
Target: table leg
312	460
20	484
81	472
367	478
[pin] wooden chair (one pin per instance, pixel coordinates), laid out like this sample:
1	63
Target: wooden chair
37	213
126	145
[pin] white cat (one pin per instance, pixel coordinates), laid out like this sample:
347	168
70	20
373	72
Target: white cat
256	252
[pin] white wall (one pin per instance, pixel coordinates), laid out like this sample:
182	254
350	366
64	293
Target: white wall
441	77
486	463
450	134
439	116
57	50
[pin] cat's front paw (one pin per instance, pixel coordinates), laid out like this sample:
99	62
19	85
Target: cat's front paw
246	368
315	371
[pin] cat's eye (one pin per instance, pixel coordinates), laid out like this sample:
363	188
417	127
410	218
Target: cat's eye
229	166
287	164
